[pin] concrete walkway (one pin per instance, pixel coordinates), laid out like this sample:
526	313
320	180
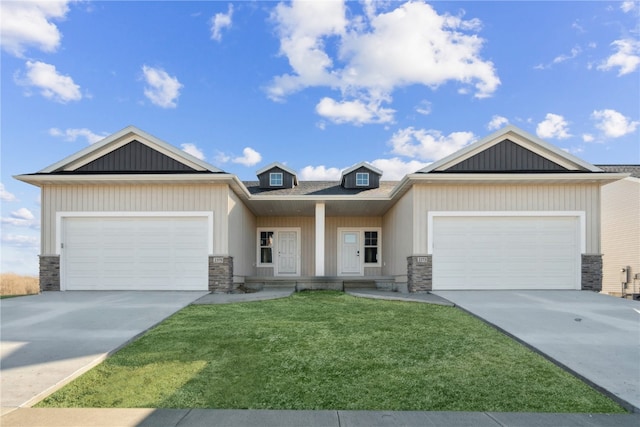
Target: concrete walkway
261	418
72	417
51	338
594	336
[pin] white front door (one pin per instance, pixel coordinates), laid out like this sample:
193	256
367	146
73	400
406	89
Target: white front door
287	256
350	259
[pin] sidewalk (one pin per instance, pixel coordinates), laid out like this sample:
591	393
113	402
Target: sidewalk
30	417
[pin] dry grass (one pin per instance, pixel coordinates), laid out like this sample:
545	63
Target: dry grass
15	284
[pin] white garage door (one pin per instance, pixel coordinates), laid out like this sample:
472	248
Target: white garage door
506	252
135	253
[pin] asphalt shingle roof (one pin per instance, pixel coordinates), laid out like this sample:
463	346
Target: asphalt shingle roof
634	170
321	188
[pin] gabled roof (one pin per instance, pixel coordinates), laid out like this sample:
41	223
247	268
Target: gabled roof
634	170
540	155
279	166
361	165
125	143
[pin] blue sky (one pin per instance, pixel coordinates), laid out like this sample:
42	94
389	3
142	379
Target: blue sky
317	85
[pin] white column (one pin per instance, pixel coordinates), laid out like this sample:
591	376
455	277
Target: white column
319	239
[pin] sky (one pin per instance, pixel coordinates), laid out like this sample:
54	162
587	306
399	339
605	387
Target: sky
316	85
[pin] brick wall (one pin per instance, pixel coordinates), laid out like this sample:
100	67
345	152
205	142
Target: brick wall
49	272
592	272
419	273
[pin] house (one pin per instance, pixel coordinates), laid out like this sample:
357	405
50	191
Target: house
620	206
507	212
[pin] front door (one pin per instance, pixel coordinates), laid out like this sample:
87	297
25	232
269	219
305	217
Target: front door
350	259
287	247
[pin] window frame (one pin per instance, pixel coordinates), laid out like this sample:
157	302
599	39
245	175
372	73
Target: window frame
360	175
365	246
259	262
278	175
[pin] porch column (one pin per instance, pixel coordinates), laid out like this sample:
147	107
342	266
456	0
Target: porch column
320	239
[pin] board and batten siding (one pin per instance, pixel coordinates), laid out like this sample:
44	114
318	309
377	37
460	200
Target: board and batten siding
331	240
307	250
398	231
135	198
620	233
507	197
242	238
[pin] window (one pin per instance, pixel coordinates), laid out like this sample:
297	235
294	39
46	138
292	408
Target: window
266	247
275	179
371	247
362	179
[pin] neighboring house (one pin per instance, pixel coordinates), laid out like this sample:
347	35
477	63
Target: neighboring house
507	212
620	206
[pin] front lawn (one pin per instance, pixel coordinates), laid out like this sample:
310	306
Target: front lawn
329	350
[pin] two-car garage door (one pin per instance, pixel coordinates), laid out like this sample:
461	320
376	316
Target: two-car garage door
135	253
506	252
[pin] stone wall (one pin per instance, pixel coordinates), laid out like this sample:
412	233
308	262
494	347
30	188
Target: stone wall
221	274
419	273
591	272
49	272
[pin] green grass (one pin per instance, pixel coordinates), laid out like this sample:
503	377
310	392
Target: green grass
328	350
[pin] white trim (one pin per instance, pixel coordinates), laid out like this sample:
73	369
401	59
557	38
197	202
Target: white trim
128	214
360	231
358	166
367	174
274	248
581	215
61	216
320	230
128	134
273	175
276	165
557	155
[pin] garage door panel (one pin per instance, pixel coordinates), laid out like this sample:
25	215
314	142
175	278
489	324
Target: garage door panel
502	252
142	253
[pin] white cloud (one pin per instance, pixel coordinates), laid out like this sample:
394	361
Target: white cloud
627	57
249	157
22	213
21	218
553	126
162	90
28	23
193	150
320	173
376	53
221	158
356	112
428	144
20	240
424	108
73	134
497	122
628	6
52	85
587	137
395	169
613	124
6	196
219	22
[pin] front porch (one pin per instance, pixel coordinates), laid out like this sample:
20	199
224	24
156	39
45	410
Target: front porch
301	283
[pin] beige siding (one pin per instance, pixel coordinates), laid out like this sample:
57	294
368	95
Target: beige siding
307	241
135	198
507	198
331	240
397	232
242	237
620	233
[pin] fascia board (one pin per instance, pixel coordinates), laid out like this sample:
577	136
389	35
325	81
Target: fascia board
101	148
276	165
359	165
43	179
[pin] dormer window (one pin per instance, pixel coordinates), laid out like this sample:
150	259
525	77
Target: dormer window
362	179
275	179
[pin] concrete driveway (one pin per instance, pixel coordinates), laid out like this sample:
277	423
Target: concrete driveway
49	339
595	336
